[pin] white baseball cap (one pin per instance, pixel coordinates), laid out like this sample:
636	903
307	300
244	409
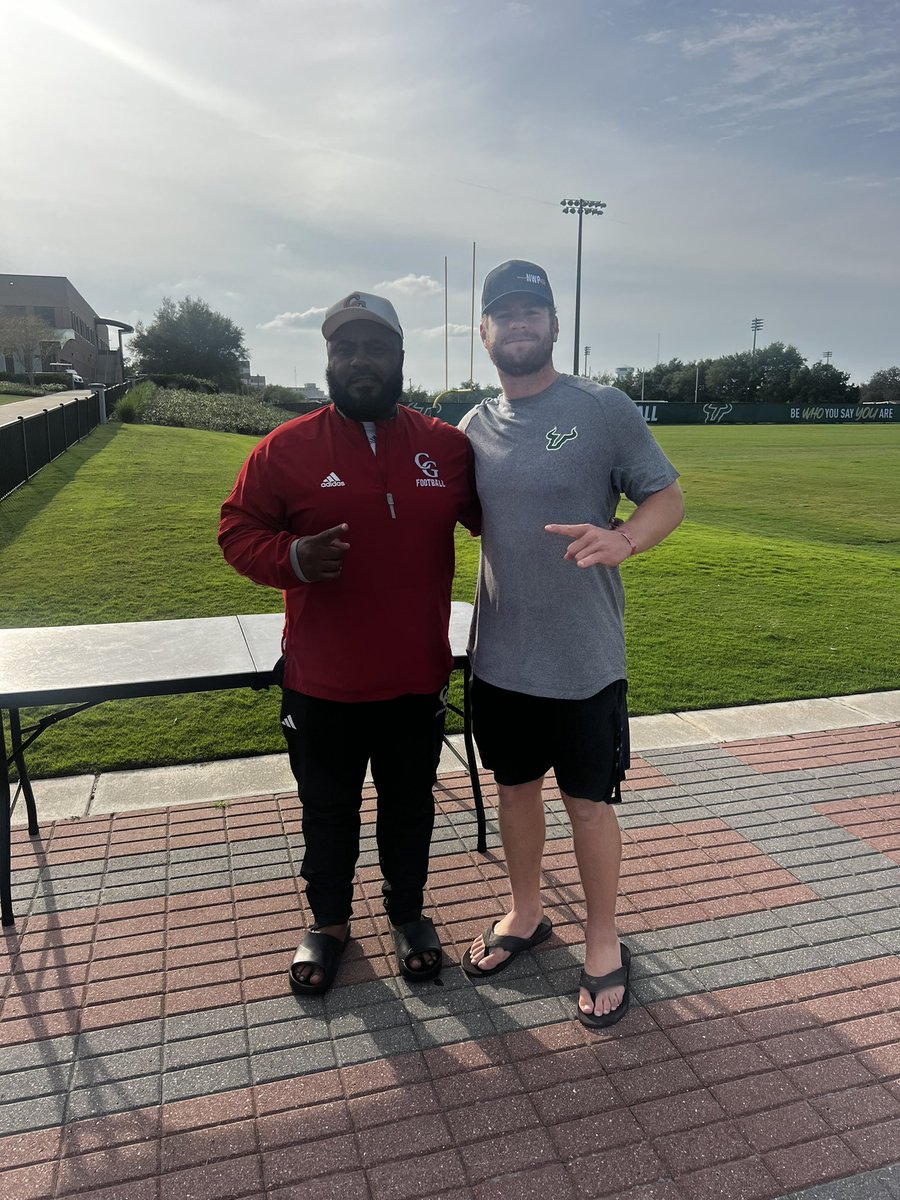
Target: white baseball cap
360	306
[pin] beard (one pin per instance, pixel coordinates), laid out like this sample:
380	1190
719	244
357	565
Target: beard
377	402
522	358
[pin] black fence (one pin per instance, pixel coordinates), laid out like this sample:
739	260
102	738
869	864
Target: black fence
114	394
29	443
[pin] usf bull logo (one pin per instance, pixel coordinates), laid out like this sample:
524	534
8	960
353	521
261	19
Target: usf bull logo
715	412
555	439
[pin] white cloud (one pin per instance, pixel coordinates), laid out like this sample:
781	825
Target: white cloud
438	331
753	32
410	285
311	319
829	61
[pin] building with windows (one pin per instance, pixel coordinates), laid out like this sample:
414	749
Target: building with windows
310	392
80	338
248	381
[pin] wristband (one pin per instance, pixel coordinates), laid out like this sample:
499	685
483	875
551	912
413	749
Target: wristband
634	548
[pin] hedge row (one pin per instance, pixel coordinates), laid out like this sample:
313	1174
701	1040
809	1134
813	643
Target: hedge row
26	389
223	412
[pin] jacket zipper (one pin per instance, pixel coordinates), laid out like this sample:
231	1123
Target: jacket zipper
381	457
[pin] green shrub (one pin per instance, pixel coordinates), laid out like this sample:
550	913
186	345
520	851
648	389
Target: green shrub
125	411
40	377
224	412
189	382
129	407
290	399
19	389
141	393
276	393
27	389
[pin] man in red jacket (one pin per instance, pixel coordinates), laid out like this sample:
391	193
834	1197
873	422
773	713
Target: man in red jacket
351	511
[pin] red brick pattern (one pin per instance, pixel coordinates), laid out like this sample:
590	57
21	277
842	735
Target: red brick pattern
636	1107
163	830
809	751
90	968
874	819
750	1091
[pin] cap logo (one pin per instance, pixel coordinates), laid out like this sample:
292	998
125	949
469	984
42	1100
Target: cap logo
355	301
534	279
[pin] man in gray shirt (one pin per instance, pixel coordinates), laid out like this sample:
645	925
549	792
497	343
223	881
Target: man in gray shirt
553	455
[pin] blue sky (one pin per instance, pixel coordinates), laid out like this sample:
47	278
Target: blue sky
272	156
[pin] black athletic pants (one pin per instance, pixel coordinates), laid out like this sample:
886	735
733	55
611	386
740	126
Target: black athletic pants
330	744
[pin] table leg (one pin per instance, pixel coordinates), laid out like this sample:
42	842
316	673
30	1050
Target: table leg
15	735
6	909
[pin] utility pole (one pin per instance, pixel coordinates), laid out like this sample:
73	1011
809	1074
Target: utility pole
472	330
446	333
587	355
756	325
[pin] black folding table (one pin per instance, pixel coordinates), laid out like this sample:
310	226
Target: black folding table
84	665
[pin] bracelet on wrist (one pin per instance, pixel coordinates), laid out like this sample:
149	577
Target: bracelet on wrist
634	548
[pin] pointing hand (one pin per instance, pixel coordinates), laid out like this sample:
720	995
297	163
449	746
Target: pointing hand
321	555
592	545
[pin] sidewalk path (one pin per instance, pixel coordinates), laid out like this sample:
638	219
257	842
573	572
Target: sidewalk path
30	405
152	1049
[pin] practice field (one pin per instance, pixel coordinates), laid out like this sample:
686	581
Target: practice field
782	583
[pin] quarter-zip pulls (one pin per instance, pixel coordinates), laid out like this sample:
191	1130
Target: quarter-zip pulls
379	449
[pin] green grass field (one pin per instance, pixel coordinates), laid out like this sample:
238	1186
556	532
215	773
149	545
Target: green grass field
782	583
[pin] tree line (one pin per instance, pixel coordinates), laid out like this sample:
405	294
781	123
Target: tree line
773	374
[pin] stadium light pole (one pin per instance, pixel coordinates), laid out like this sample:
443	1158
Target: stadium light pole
756	325
583	208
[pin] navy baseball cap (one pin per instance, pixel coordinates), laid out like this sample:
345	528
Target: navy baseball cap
513	278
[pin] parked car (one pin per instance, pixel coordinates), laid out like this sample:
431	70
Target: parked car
74	379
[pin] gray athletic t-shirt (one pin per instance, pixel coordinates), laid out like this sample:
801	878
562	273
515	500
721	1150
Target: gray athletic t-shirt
545	626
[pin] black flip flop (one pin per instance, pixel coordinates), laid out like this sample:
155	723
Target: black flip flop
318	950
504	941
415	938
601	983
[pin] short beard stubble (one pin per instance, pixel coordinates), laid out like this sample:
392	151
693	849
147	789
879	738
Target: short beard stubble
529	363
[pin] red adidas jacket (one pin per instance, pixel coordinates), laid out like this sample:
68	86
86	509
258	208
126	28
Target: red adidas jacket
380	629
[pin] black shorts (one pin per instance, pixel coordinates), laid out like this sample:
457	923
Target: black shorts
586	742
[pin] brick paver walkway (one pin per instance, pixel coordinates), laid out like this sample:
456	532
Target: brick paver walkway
151	1047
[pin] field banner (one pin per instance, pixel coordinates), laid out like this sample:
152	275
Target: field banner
716	413
661	412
